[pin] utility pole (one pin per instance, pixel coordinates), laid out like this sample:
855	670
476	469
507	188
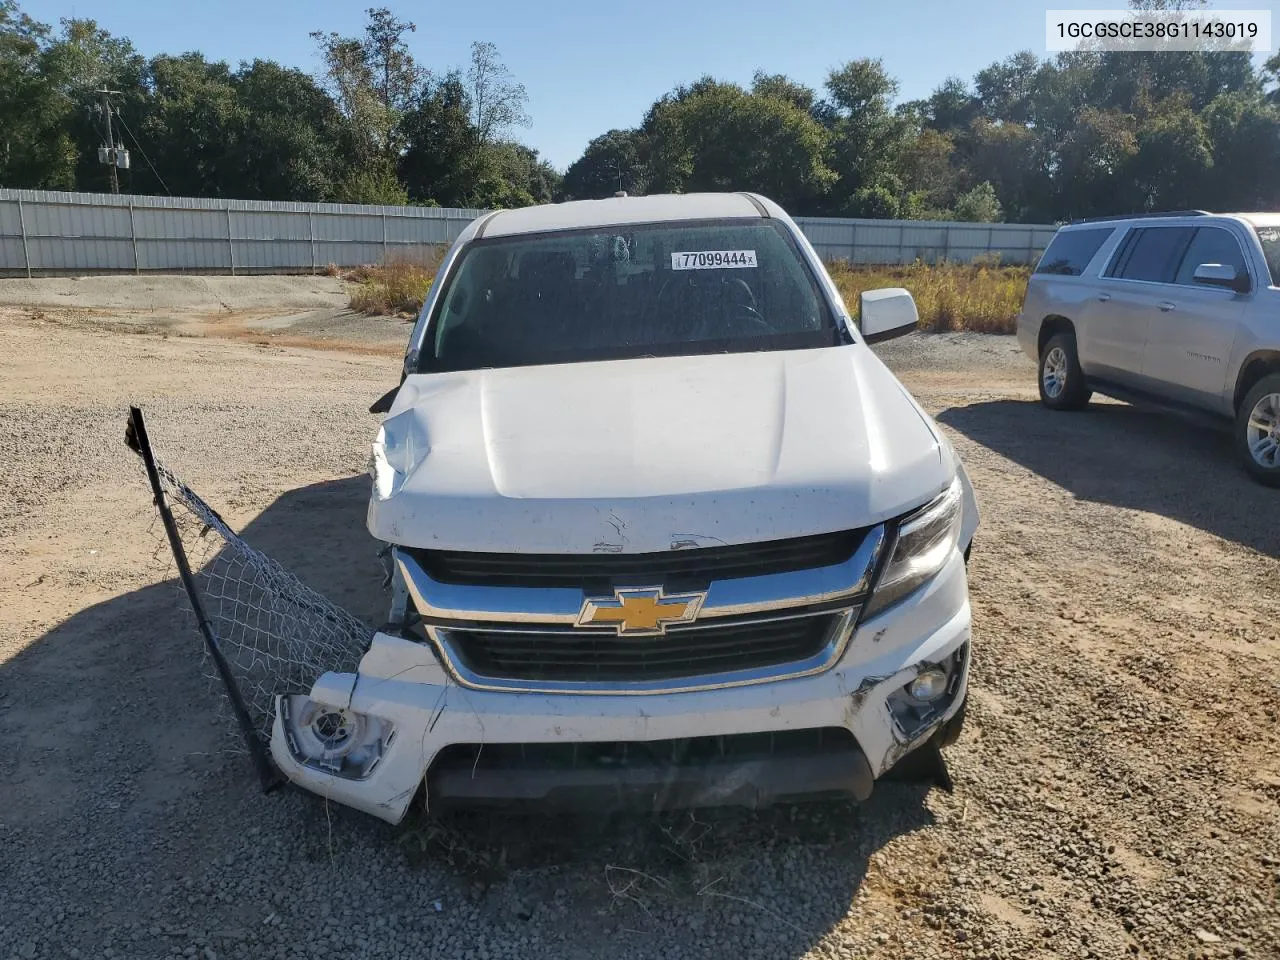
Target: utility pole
113	156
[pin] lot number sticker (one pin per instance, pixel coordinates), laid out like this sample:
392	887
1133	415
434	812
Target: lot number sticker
713	259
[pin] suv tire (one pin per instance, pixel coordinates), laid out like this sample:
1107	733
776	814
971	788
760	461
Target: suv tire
1258	430
1062	385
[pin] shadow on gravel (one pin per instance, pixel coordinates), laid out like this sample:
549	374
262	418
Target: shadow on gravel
117	715
1131	457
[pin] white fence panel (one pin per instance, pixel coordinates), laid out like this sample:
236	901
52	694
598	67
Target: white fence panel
45	232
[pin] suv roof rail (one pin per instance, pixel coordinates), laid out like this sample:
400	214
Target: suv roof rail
1143	216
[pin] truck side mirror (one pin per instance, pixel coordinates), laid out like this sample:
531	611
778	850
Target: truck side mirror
1221	275
384	402
886	313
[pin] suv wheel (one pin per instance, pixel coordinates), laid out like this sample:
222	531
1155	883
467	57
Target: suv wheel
1062	385
1258	430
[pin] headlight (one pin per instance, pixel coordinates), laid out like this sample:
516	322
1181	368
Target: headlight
401	444
923	544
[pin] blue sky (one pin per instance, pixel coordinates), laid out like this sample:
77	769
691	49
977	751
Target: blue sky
590	66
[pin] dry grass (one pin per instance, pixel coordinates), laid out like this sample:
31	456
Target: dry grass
395	288
982	297
979	297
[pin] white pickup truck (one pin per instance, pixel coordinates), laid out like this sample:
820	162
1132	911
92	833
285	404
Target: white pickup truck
664	529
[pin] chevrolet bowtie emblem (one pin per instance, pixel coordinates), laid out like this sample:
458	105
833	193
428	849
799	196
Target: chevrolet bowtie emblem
639	611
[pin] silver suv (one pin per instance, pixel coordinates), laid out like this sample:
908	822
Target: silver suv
1180	308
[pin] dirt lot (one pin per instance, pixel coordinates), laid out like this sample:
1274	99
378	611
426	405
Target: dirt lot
1116	791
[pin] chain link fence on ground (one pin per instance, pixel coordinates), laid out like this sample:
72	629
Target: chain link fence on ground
275	634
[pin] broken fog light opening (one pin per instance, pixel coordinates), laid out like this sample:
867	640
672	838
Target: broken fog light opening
919	704
334	740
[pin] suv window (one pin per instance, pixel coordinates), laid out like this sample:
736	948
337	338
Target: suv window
679	288
1269	237
1071	250
1151	253
1211	245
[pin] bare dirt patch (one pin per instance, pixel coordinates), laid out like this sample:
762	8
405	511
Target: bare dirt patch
1116	790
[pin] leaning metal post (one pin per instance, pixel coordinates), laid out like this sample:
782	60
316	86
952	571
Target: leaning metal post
137	440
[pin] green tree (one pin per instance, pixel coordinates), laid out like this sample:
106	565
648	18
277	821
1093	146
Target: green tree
1013	159
36	149
81	59
865	137
194	119
1243	131
497	101
1093	162
952	107
1271	77
1006	91
439	162
374	183
1170	169
375	81
612	161
924	165
291	140
783	87
979	205
717	136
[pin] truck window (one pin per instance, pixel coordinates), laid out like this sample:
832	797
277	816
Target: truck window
1211	245
627	291
1152	254
1071	250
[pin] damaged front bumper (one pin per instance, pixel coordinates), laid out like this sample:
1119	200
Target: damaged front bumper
377	734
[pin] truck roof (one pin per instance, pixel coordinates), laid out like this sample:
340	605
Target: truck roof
580	214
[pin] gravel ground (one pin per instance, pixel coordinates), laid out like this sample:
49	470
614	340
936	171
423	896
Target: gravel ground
1116	790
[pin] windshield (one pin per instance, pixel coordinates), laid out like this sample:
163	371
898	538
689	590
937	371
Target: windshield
617	292
1270	238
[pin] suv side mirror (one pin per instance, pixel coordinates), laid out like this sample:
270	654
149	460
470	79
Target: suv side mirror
1221	275
886	313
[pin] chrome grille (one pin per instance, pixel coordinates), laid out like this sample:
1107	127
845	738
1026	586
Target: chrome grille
603	657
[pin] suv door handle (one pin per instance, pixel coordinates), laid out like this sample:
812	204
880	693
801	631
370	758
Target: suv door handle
1167	306
1104	297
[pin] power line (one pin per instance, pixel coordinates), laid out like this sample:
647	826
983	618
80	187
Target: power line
141	151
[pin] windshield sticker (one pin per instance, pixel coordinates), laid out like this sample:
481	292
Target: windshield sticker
713	259
1269	236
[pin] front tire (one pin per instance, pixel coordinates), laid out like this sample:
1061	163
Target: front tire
1062	385
1257	431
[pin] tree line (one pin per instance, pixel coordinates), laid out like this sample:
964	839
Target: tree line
1028	139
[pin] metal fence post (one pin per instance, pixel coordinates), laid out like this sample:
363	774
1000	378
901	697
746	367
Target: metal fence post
902	240
311	236
136	439
133	238
231	244
384	238
22	225
946	243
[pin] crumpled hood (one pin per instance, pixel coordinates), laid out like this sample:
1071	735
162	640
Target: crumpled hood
659	453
